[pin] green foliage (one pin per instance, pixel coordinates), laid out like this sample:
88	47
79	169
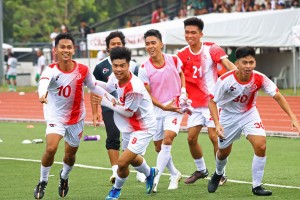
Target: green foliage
281	168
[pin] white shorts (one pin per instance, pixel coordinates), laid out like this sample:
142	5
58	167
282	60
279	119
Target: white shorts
234	125
200	116
167	121
71	133
137	142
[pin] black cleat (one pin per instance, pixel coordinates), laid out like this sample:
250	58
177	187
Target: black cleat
39	190
195	176
63	187
213	184
260	191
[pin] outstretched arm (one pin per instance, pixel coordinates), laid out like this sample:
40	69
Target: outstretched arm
286	108
228	64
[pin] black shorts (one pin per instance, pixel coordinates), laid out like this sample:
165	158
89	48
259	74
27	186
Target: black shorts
112	132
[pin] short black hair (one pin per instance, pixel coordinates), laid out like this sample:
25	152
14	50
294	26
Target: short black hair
61	36
120	53
153	32
244	52
194	21
114	34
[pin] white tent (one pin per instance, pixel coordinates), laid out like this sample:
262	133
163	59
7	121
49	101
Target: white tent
259	29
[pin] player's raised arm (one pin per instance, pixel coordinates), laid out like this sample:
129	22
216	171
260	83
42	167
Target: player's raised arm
286	108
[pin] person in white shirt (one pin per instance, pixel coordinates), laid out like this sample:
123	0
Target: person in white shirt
11	72
235	93
41	65
165	82
101	54
61	90
134	117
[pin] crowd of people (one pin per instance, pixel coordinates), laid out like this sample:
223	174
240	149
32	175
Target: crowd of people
148	105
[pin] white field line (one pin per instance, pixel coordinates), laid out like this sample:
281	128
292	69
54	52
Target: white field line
133	171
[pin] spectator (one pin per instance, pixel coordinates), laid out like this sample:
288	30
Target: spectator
181	14
52	37
156	14
101	55
64	28
164	17
84	29
11	72
41	65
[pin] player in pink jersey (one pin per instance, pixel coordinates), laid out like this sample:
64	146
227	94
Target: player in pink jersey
200	61
235	93
164	80
61	89
133	116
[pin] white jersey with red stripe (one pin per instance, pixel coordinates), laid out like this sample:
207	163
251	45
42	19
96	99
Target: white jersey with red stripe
201	71
164	82
65	92
236	97
134	97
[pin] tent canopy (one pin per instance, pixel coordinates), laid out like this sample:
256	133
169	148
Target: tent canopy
260	29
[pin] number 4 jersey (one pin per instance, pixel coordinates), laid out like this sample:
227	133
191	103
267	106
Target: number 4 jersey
236	97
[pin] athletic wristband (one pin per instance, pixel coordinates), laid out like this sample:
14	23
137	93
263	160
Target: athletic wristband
183	90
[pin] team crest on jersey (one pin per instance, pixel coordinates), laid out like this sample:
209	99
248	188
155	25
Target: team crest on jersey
122	100
252	87
105	70
57	77
232	88
78	76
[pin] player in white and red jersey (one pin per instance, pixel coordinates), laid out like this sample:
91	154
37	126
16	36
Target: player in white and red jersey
61	89
164	80
200	61
235	93
133	116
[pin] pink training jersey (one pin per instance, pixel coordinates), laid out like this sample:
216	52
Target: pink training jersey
164	82
65	92
201	72
236	97
134	97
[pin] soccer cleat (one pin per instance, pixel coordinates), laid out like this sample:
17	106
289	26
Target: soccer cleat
213	184
260	191
140	177
195	176
39	190
150	180
63	187
113	194
174	180
223	180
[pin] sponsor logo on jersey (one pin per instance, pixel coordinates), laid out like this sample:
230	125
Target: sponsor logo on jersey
105	70
232	88
57	77
52	125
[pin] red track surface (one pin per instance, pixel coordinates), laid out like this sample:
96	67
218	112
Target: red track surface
27	108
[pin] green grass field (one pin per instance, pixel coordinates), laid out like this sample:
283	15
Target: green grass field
19	177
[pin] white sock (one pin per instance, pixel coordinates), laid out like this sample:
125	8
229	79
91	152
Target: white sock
66	170
163	158
220	165
114	169
200	164
258	166
171	167
143	168
44	173
119	182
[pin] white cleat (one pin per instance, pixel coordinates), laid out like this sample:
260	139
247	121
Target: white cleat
174	180
156	180
140	177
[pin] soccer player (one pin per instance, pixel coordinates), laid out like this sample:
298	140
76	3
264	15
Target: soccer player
41	65
102	72
164	80
61	90
134	117
11	72
200	61
235	93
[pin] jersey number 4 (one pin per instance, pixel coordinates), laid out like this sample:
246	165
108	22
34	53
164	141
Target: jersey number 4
64	91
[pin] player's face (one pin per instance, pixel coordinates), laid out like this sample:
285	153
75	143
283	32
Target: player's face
245	67
153	46
192	35
121	70
115	42
65	49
